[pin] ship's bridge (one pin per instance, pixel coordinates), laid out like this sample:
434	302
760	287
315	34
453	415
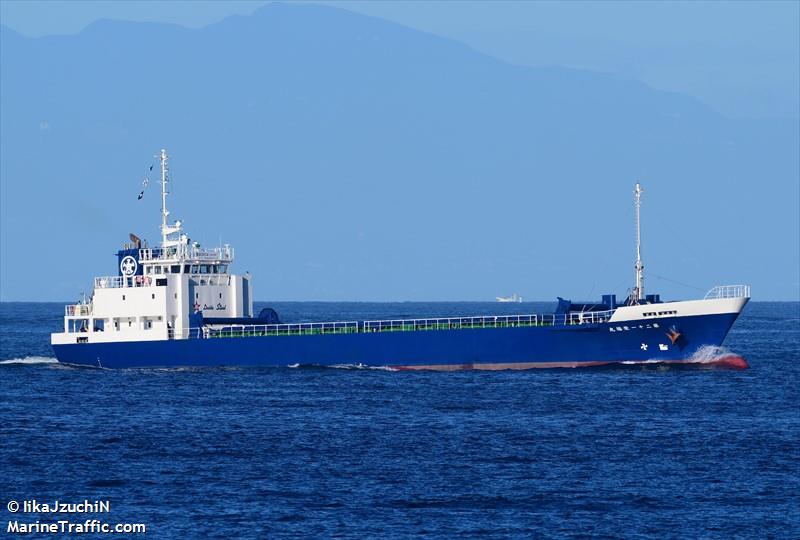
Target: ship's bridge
144	267
208	265
187	253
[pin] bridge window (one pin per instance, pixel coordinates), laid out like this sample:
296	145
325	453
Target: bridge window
223	268
204	269
186	268
175	269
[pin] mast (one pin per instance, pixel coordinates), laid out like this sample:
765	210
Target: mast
164	212
638	292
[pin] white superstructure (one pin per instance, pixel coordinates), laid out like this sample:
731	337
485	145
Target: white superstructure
158	292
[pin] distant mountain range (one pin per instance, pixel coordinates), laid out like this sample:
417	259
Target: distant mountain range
347	157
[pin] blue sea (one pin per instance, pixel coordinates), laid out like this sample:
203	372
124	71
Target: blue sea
646	451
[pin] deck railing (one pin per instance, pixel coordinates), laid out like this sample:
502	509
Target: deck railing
115	282
187	253
491	321
397	325
258	330
728	291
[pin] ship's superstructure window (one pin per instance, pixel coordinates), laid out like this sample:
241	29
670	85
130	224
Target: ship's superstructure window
175	269
156	269
659	313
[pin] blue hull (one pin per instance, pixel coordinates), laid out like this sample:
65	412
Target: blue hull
487	348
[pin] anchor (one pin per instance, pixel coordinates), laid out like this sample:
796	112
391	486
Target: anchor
674	335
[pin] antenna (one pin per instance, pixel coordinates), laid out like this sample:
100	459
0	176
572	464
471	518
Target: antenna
638	291
164	211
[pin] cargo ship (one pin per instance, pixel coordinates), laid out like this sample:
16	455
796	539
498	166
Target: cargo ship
178	304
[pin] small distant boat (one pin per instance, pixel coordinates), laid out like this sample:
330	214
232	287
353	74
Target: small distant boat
514	298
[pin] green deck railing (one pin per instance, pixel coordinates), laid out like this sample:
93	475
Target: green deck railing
399	325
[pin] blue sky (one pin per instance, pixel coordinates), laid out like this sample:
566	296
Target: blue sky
742	58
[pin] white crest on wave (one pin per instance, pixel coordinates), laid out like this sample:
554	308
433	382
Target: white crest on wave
709	353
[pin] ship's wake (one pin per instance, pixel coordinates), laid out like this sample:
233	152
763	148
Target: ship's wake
29	360
363	366
342	366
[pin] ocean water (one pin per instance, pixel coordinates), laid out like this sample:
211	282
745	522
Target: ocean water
629	452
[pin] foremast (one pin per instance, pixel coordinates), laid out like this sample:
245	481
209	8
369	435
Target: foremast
167	230
637	295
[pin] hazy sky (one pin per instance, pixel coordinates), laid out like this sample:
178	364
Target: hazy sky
742	58
352	136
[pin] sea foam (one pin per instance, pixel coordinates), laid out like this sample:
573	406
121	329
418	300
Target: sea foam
30	360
